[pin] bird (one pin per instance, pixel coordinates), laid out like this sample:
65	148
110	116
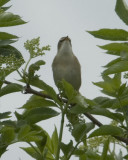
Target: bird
66	65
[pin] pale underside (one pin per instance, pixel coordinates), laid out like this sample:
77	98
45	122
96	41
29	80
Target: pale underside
67	68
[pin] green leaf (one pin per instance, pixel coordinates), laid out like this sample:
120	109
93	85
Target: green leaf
9	19
2	150
42	142
105	150
3	2
42	85
10	50
115	48
11	88
5	8
103	102
78	109
24	130
89	126
107	130
122	95
11	59
28	134
110	85
91	155
112	62
5	115
116	53
8	135
82	105
110	34
49	143
68	90
78	152
118	67
126	156
7	36
104	112
81	100
80	130
122	10
36	101
67	148
32	137
32	152
123	102
6	42
48	155
9	123
116	80
123	90
2	78
55	140
38	114
35	67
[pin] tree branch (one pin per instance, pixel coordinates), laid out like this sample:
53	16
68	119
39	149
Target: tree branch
99	124
29	90
94	120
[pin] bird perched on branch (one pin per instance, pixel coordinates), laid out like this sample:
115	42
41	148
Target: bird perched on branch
65	64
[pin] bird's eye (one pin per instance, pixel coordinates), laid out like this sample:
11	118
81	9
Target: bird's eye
61	41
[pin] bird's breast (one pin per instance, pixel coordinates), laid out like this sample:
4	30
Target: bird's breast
67	69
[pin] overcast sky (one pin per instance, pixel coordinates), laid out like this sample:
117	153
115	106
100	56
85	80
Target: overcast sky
51	20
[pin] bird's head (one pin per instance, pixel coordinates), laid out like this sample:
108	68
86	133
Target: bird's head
64	44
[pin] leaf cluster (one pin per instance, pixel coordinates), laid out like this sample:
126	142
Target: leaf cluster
90	142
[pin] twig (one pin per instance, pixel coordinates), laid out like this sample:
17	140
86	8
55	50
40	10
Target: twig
99	124
93	119
88	115
29	90
60	135
7	82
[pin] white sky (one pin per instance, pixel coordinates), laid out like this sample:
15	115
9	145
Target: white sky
51	20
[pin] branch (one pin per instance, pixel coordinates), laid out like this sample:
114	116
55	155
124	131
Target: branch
29	90
99	124
93	119
7	82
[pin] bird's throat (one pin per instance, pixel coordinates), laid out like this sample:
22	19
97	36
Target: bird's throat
65	49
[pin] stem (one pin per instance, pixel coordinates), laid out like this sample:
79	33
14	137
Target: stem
19	74
60	135
26	65
88	115
114	147
22	76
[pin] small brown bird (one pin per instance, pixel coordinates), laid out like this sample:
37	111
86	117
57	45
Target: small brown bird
65	64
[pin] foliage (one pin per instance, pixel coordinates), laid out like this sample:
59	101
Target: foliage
89	142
